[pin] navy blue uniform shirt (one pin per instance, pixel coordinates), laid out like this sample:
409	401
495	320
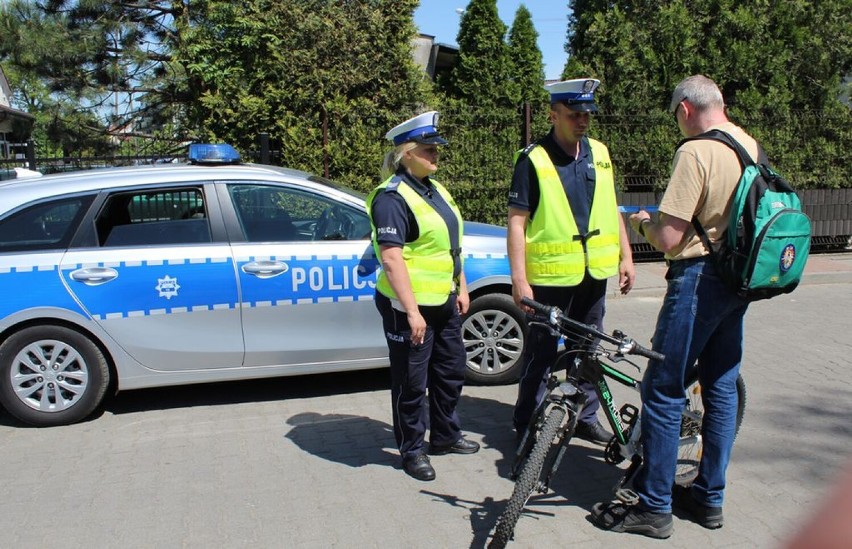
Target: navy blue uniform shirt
577	176
395	222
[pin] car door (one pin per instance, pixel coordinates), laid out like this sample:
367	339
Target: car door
158	281
307	278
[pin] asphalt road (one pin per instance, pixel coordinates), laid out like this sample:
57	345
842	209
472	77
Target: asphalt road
310	461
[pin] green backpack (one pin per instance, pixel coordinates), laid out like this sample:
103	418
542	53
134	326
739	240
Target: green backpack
766	245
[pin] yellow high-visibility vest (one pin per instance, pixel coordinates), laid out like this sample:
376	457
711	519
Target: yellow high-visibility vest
429	259
555	255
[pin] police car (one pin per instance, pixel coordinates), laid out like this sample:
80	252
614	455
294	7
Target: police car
207	271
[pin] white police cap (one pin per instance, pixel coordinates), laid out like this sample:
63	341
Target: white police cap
423	128
577	94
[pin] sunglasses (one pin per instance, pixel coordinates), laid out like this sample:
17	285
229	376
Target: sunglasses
679	103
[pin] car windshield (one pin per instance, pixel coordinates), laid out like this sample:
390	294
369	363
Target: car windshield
337	186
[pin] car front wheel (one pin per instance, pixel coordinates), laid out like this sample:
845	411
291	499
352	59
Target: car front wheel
493	332
51	375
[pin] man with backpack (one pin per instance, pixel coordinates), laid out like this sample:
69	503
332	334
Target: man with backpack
701	320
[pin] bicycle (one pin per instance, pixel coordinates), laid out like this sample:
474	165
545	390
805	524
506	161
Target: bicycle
552	426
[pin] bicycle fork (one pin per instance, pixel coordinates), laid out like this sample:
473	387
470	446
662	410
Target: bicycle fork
574	400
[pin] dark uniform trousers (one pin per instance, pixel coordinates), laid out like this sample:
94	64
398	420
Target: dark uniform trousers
438	364
584	303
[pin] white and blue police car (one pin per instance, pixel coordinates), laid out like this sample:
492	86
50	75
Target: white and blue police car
206	271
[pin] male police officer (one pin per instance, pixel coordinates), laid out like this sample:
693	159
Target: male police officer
566	237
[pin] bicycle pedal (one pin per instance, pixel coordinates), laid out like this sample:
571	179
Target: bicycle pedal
627	496
629	413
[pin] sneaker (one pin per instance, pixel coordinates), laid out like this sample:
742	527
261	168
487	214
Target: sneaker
706	516
630	519
593	432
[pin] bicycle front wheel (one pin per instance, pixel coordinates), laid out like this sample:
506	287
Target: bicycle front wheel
546	444
691	444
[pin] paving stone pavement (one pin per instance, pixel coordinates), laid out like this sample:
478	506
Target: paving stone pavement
309	461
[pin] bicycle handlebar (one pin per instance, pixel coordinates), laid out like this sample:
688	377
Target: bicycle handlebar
557	320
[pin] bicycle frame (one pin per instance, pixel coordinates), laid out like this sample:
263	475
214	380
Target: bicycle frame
598	378
623	422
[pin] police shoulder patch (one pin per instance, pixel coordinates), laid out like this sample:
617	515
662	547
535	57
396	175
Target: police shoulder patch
393	184
529	148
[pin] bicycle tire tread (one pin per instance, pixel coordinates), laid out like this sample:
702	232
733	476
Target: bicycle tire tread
527	480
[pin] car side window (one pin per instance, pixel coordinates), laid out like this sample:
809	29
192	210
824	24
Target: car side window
269	213
43	226
151	217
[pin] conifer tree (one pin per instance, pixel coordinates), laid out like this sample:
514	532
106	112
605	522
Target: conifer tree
776	62
526	59
291	67
482	112
112	58
483	69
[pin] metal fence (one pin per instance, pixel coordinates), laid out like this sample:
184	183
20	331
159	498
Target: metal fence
829	209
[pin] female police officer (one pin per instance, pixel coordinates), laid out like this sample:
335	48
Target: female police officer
420	293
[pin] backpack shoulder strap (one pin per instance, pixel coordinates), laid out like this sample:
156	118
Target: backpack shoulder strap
725	137
702	234
742	156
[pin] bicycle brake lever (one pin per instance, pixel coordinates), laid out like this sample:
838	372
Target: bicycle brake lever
618	357
553	331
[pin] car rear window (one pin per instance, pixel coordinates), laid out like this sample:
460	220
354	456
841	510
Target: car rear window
43	226
168	216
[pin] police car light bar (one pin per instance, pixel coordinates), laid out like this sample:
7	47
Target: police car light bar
218	153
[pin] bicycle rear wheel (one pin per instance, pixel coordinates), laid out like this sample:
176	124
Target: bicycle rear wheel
691	444
545	448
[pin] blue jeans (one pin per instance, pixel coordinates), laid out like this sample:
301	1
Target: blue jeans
701	320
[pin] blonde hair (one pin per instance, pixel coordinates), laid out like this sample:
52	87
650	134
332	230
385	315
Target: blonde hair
393	158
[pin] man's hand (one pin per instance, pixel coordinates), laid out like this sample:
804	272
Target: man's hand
516	248
463	302
637	219
626	276
521	290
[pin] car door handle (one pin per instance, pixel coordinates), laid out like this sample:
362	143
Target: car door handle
265	269
93	276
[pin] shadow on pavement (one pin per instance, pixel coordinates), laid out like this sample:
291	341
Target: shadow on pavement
483	515
255	390
583	478
351	440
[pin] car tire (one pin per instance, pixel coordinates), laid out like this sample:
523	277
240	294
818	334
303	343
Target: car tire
494	331
51	375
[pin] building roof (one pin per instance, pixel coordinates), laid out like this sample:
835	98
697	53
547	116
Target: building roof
8	115
434	57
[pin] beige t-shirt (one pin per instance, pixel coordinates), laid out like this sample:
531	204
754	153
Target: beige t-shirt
705	174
